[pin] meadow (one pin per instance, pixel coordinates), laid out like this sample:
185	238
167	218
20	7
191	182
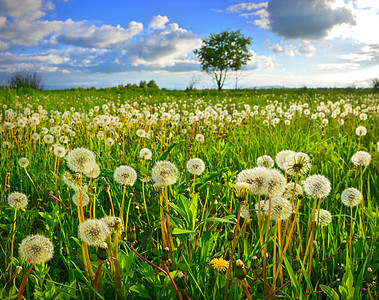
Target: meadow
118	194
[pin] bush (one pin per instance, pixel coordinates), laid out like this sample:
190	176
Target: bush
26	79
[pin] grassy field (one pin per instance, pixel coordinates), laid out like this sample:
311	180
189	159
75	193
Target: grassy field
253	224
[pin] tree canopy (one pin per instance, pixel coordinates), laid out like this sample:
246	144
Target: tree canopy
222	53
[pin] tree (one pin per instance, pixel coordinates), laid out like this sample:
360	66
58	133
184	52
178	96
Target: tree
375	84
152	85
27	79
224	52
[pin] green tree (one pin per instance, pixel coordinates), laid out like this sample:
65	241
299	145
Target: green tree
222	53
26	79
375	84
152	85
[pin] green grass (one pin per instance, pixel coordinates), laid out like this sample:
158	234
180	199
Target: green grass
230	146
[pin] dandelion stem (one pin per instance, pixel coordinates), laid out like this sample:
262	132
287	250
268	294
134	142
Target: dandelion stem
23	283
26	171
246	289
173	282
12	241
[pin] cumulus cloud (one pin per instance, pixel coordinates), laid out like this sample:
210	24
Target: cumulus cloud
285	49
246	6
80	35
306	19
260	62
25	9
163	47
306	48
158	22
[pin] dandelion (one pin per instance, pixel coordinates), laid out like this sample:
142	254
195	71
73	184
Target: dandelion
5	145
281	209
85	197
81	160
17	200
289	190
93	231
95	172
36	249
48	139
361	131
317	185
23	162
265	161
195	166
199	137
72	181
361	158
114	223
323	217
164	173
256	178
145	153
351	197
263	207
275	183
125	175
297	163
219	264
59	151
242	190
281	158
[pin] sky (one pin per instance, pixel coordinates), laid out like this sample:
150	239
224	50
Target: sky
104	43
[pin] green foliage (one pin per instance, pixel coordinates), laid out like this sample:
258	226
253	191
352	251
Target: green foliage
375	84
222	53
26	79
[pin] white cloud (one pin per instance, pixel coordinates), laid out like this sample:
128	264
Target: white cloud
25	9
260	62
246	6
158	22
286	49
306	48
338	66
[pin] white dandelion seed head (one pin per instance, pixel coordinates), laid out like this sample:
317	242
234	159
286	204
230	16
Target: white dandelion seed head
125	175
317	185
297	163
59	151
17	200
351	197
23	162
289	190
281	158
265	161
114	223
144	178
81	160
361	131
36	249
199	137
85	196
71	181
48	139
145	153
164	173
244	212
256	178
195	166
95	172
93	231
281	208
275	184
361	158
323	217
262	207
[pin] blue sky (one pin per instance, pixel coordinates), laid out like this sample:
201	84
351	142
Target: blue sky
314	43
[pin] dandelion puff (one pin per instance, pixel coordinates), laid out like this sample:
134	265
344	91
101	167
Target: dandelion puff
264	207
23	162
317	185
351	197
265	161
81	160
145	153
114	223
199	137
95	172
361	131
48	139
323	217
36	249
361	158
289	190
281	158
297	163
85	197
17	200
275	184
144	178
244	212
195	166
164	173
72	181
125	175
93	231
59	151
281	208
256	178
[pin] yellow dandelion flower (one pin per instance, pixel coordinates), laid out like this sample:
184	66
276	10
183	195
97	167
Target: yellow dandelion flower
219	264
